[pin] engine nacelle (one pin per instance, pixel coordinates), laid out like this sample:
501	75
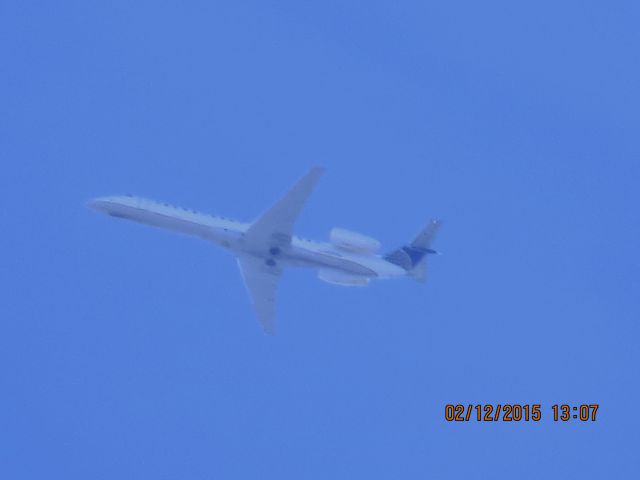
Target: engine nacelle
344	279
353	241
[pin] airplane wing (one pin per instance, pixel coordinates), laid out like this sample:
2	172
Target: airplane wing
275	226
261	281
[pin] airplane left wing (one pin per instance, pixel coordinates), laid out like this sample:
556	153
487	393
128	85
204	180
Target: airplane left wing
261	281
275	227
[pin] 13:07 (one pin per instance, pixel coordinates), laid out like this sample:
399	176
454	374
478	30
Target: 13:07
583	413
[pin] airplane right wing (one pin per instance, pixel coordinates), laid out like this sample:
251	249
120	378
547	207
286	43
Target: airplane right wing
261	281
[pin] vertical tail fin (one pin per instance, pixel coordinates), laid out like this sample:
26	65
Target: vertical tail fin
412	257
426	235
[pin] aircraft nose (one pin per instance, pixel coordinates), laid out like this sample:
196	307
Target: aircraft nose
97	203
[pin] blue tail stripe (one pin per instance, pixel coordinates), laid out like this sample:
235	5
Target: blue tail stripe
408	256
415	254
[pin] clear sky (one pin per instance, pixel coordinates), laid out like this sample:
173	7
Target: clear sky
128	352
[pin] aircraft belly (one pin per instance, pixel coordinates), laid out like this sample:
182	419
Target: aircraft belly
306	258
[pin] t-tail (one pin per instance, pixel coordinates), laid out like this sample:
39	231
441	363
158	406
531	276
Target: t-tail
413	257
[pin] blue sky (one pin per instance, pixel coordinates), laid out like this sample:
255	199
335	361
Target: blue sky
127	352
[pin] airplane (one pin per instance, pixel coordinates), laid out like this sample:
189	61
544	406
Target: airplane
268	244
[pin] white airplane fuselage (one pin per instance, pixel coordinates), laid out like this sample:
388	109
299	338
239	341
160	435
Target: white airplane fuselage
339	265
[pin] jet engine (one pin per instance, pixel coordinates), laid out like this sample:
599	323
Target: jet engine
344	279
353	241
